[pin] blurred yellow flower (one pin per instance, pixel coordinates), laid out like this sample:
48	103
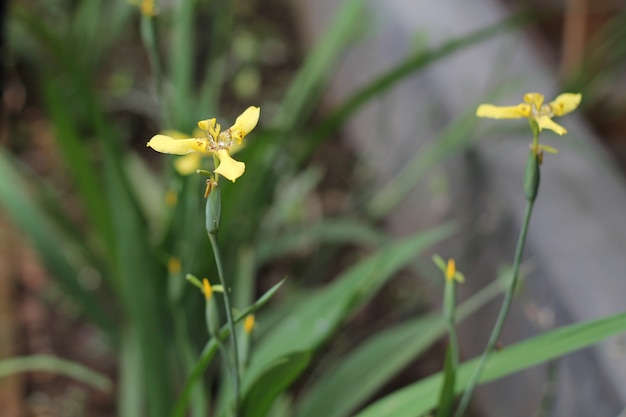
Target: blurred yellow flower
248	324
173	266
215	141
146	6
535	110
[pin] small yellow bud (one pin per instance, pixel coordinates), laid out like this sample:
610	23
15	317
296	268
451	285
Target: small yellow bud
451	270
248	324
173	266
206	289
171	198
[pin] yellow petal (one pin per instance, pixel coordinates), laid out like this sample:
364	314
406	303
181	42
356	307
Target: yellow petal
228	167
188	164
175	134
167	144
207	124
565	103
247	121
503	112
545	122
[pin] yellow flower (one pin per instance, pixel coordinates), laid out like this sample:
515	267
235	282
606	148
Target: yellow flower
215	141
535	110
147	7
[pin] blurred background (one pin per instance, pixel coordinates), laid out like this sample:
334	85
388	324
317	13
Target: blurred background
367	136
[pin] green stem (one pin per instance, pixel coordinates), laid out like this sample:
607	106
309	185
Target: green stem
504	311
229	317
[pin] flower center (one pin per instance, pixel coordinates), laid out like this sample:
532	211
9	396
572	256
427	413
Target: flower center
216	140
544	110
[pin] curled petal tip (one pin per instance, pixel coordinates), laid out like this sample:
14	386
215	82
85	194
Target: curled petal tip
247	120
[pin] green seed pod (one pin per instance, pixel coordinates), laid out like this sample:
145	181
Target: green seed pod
213	209
532	176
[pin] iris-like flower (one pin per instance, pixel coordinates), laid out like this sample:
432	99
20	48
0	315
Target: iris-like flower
535	110
215	141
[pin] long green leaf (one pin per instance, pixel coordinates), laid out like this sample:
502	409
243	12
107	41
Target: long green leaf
357	376
300	97
318	316
142	290
54	251
421	397
328	231
78	161
181	64
277	378
409	66
55	365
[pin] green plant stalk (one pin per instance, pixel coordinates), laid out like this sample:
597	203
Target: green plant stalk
446	396
229	317
149	39
210	313
209	350
531	186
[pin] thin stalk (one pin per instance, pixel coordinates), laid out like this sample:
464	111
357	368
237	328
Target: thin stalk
504	311
149	39
199	401
229	317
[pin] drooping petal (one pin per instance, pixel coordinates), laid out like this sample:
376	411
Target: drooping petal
228	167
167	144
246	121
503	112
544	122
188	164
565	103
